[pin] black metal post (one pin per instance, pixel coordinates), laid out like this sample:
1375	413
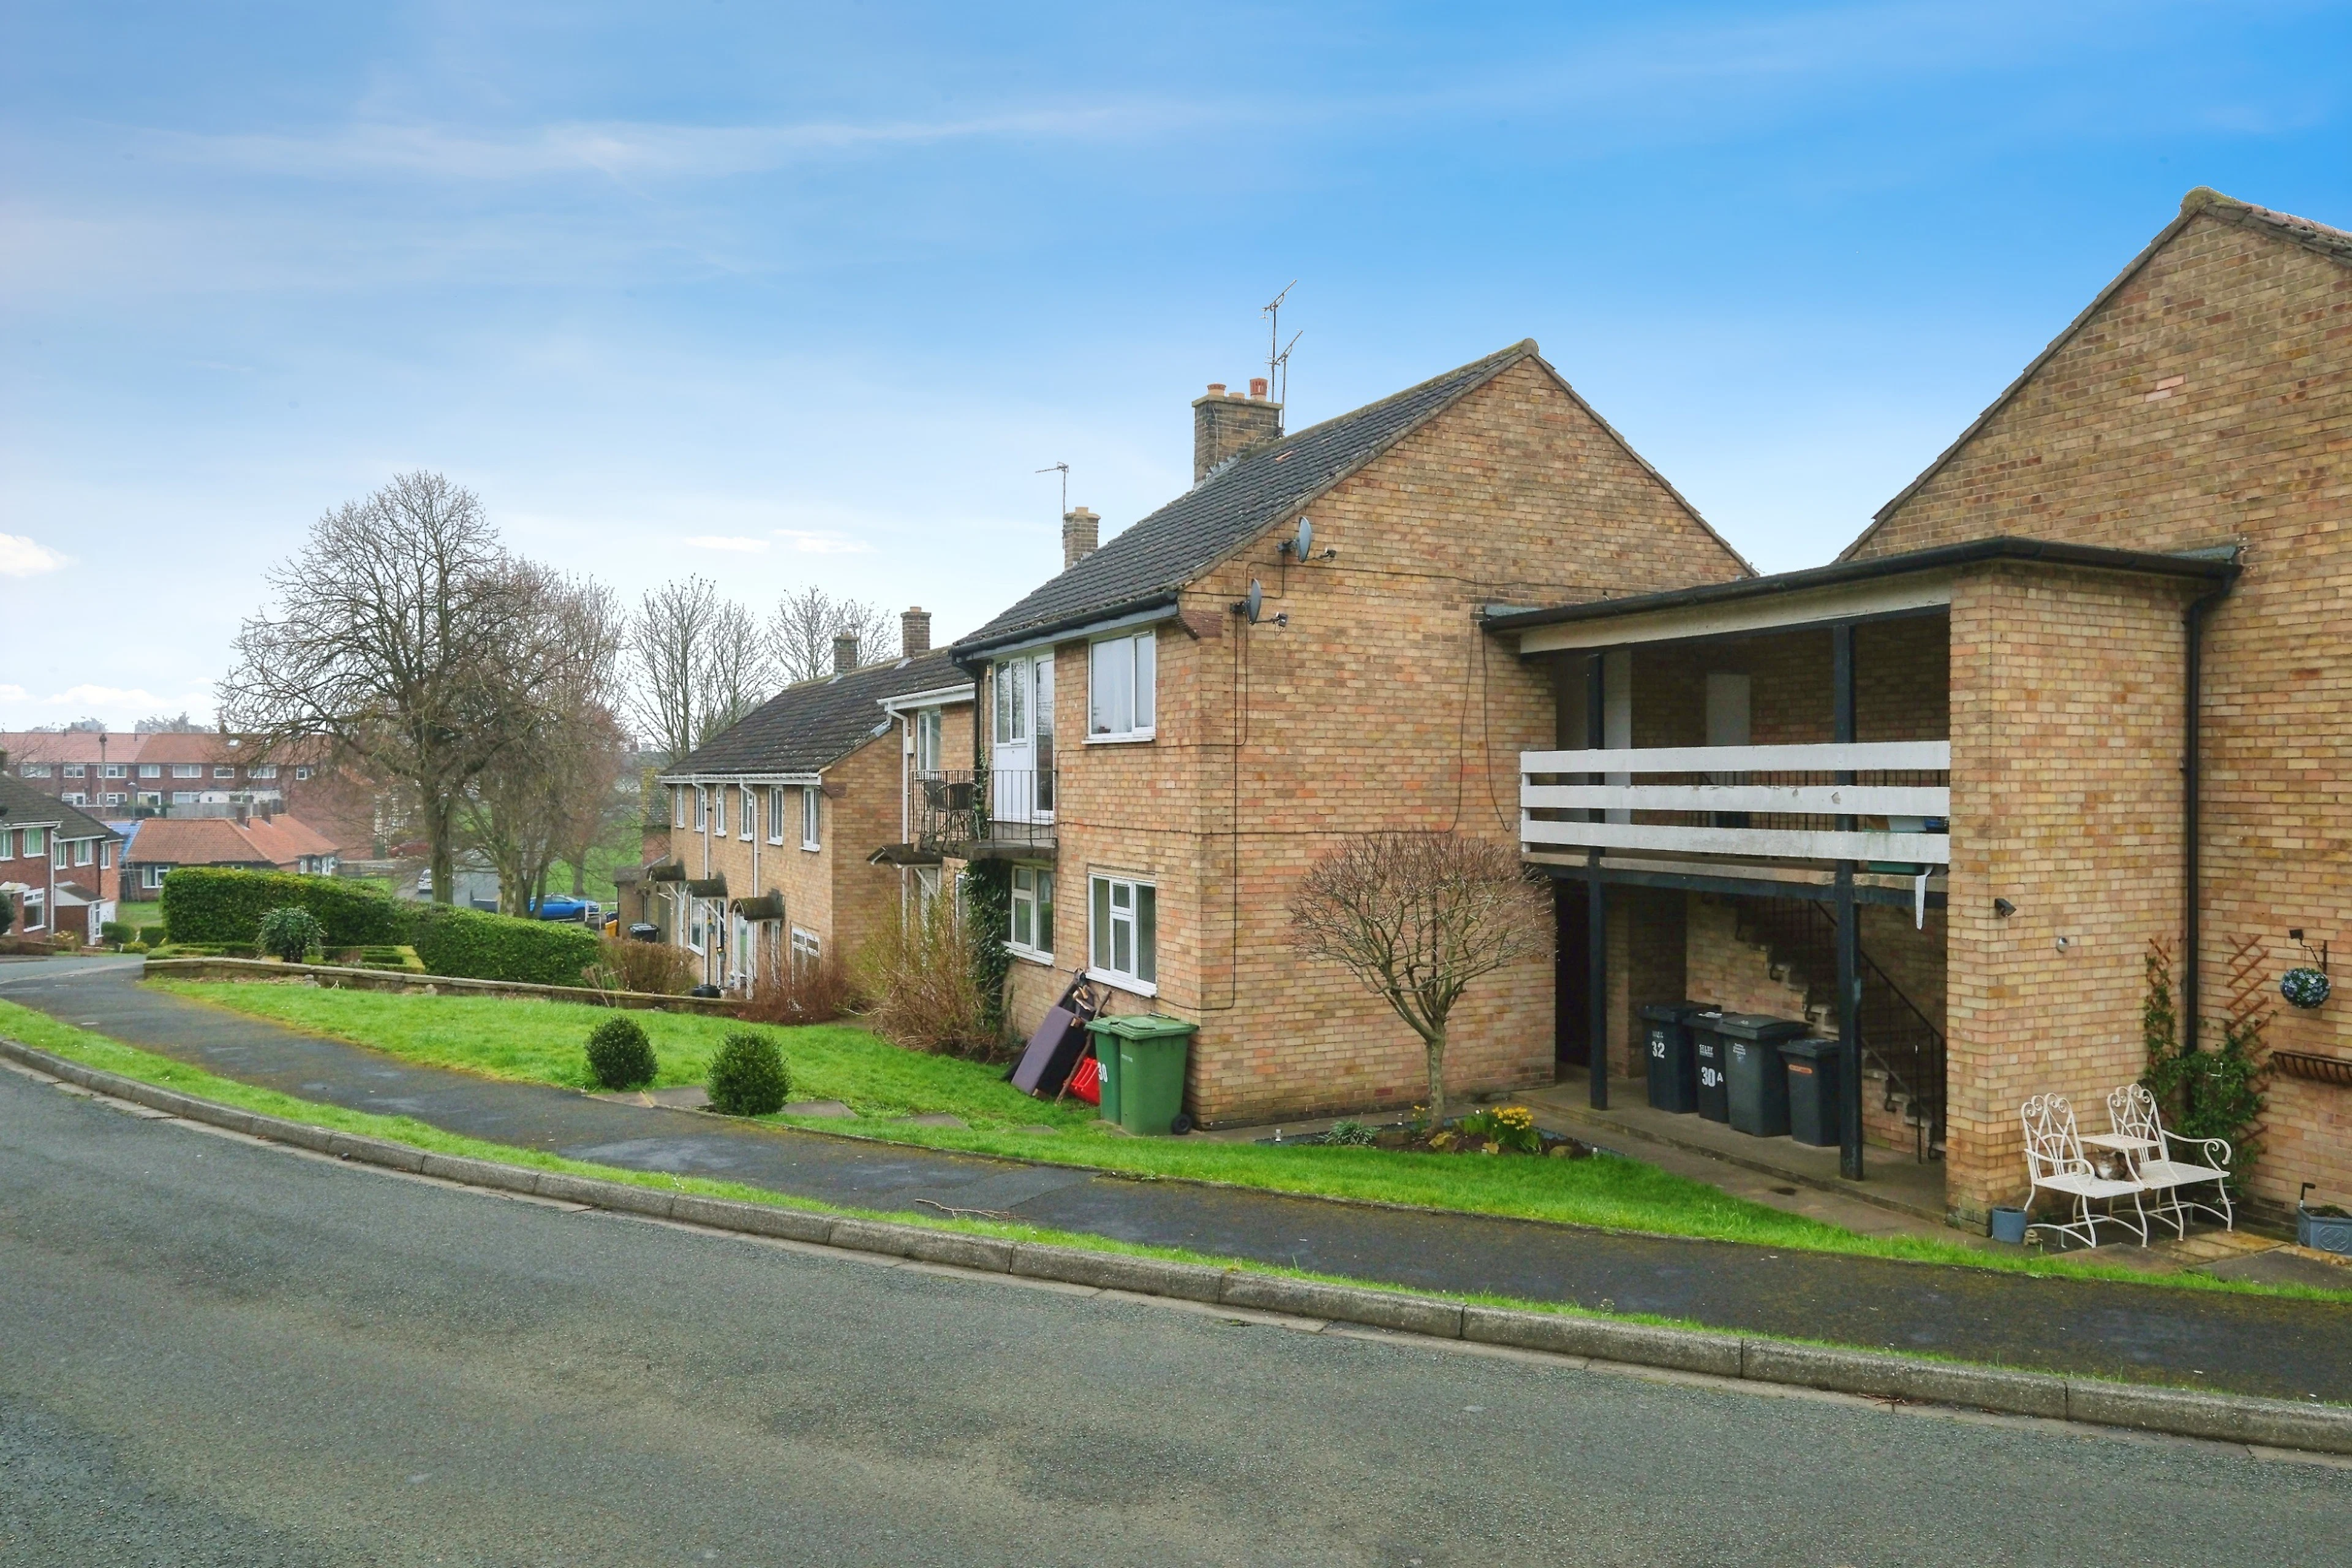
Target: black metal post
1596	906
1848	933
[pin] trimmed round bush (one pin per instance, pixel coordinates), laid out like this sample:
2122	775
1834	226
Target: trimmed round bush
289	931
748	1077
619	1055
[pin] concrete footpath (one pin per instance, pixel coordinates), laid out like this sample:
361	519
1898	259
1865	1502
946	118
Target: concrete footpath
2269	1346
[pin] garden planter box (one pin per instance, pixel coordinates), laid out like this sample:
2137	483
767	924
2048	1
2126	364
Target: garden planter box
2322	1232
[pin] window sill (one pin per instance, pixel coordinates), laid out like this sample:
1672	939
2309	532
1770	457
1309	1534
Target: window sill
1029	955
1139	738
811	848
1126	982
776	843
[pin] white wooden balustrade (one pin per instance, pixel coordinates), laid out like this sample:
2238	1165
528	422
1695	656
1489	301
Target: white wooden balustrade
1621	797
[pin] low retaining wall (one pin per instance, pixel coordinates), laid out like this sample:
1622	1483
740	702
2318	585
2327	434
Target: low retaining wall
2233	1419
338	977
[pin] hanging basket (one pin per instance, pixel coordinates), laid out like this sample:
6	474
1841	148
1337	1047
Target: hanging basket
2304	987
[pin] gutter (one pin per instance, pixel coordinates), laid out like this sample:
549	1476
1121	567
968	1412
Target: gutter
2002	547
2192	772
964	654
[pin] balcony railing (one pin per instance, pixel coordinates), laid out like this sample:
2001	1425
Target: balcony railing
1780	803
1006	807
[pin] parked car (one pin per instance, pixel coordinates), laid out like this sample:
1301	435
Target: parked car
585	910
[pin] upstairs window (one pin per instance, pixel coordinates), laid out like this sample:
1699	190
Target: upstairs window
1123	688
677	806
267	771
150	769
73	770
187	769
751	818
37	769
701	808
114	770
302	773
223	772
927	741
809	797
775	814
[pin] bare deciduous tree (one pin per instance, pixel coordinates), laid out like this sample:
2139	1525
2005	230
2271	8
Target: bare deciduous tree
697	662
1417	917
396	642
808	619
166	724
548	791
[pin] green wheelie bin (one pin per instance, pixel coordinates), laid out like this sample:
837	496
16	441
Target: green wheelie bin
1142	1058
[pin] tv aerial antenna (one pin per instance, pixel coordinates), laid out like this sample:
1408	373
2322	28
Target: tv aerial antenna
1063	469
1278	358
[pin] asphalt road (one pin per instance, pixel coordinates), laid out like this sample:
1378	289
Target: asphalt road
221	1352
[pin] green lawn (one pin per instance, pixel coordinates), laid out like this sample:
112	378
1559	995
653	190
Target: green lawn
542	1042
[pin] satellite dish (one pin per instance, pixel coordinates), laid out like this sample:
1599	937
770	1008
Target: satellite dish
1306	545
1255	603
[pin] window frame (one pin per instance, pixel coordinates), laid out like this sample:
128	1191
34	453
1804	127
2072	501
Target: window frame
750	826
150	769
266	770
36	771
224	771
775	814
701	809
1141	920
1036	902
812	817
1139	650
302	775
114	770
930	739
187	769
152	876
803	946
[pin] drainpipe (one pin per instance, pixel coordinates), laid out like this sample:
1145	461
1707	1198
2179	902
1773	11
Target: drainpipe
2192	775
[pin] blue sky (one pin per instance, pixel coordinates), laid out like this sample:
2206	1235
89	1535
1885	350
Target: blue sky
823	287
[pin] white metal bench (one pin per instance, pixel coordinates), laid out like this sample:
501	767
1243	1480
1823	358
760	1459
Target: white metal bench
2131	1111
2054	1163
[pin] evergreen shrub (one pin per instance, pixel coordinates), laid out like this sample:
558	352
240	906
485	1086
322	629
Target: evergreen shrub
748	1077
210	905
619	1055
472	946
289	931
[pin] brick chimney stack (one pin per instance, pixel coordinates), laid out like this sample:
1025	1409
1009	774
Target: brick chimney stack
1225	424
914	632
1081	533
844	652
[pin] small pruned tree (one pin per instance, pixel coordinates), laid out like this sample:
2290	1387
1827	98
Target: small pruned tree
1417	917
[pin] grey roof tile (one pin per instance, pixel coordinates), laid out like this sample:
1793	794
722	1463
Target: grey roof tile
1161	553
806	728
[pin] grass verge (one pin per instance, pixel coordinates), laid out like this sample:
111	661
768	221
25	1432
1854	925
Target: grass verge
542	1042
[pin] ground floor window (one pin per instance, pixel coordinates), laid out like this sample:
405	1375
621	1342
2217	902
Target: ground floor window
925	886
1032	933
697	933
1125	939
804	950
152	876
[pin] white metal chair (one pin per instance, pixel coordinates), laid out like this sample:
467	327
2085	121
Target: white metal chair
2131	1111
2054	1163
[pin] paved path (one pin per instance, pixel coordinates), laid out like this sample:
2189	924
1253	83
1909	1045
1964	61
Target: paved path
227	1355
2283	1348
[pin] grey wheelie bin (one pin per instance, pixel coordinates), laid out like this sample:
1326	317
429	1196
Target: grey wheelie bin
1816	1077
1666	1043
1758	1079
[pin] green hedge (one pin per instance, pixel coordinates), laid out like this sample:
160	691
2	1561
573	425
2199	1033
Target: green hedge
205	904
477	946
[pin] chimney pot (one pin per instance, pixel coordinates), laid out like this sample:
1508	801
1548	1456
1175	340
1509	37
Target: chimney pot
1225	427
844	652
915	632
1081	533
1257	387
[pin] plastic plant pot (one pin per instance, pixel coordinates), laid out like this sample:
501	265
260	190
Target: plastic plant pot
2009	1225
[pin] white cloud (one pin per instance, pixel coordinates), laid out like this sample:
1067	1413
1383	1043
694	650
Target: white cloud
12	694
726	542
20	557
820	543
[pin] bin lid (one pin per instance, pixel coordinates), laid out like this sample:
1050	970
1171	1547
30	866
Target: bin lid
1142	1026
1663	1012
1757	1027
1811	1046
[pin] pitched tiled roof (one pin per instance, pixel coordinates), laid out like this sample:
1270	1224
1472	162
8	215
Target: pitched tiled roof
204	841
20	803
807	728
1153	557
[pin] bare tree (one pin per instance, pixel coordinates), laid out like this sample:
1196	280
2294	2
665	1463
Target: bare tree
1417	917
808	619
401	627
164	725
697	662
528	806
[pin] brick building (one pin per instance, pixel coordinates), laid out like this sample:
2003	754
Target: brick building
264	841
1174	726
2079	688
58	866
195	773
788	833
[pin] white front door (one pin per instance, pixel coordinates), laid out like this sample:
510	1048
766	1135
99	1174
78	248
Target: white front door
1023	789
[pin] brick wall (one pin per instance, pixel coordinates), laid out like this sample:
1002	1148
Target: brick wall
1379	706
2207	401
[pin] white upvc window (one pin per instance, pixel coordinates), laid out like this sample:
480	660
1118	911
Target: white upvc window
805	949
36	770
1124	938
1123	688
150	769
266	770
223	772
57	852
809	794
7	844
302	773
35	840
1032	916
187	769
928	740
74	770
698	930
184	798
84	851
719	810
152	876
701	808
74	797
775	814
114	770
750	822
